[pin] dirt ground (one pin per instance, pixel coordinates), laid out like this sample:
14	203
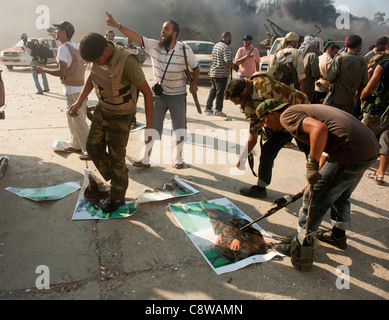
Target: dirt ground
148	256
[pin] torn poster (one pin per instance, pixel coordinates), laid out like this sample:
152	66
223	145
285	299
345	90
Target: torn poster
60	145
214	228
89	210
177	188
56	192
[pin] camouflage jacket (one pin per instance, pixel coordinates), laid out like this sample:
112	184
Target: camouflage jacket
261	87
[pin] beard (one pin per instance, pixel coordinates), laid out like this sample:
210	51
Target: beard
165	43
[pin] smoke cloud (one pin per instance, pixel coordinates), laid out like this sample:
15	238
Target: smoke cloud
210	17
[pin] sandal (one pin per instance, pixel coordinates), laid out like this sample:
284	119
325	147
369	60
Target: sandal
376	177
178	165
140	164
85	157
71	149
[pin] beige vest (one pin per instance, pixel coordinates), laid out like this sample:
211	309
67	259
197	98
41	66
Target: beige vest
75	74
113	95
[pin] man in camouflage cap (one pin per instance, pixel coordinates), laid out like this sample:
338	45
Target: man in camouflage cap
249	94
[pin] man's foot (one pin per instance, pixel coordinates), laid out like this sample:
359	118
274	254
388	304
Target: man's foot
378	178
46	90
284	246
85	157
109	205
140	164
96	195
208	112
254	192
178	166
71	150
329	237
220	114
39	92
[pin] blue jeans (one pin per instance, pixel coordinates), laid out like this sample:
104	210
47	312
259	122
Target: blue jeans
332	191
36	80
217	91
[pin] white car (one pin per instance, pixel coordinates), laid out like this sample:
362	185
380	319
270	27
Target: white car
203	52
17	57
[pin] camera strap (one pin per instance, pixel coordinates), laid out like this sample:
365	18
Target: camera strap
163	77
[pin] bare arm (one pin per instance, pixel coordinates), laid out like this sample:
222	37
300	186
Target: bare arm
148	96
131	34
318	133
378	72
60	72
88	87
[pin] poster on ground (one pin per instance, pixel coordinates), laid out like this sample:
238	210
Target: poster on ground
56	192
214	227
89	210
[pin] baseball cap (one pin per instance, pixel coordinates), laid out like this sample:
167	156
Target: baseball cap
247	37
269	105
65	25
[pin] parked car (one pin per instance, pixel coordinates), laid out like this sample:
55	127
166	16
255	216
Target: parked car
266	60
203	52
17	57
138	50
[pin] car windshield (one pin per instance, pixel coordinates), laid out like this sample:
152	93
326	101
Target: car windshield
19	44
275	46
201	47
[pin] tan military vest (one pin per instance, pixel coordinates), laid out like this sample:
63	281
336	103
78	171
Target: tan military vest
261	87
75	74
113	95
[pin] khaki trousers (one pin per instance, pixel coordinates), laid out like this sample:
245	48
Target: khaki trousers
78	126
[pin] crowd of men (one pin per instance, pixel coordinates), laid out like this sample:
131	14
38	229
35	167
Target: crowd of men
334	104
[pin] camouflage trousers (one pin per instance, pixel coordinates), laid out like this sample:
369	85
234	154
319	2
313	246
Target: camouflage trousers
106	145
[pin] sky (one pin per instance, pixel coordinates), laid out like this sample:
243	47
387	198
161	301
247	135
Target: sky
147	16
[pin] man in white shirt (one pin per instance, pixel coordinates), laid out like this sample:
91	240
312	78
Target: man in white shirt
71	71
171	77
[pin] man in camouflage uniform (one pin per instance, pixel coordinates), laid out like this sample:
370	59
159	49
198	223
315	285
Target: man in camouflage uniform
115	74
249	94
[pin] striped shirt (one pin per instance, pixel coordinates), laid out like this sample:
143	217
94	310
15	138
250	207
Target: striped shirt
174	82
221	53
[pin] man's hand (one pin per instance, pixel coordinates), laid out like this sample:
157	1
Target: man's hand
110	21
312	174
74	108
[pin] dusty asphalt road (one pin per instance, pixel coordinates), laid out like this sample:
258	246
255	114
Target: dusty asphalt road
148	256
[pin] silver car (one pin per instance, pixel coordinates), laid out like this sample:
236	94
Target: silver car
17	57
203	52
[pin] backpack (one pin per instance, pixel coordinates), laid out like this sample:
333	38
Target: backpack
284	71
42	53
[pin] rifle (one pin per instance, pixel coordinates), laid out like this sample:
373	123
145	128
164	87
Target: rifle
190	80
280	203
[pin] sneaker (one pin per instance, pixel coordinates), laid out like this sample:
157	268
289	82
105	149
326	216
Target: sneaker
254	192
109	205
220	114
208	112
46	90
283	248
328	236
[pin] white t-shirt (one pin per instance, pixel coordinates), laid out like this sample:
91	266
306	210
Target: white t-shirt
174	82
65	55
